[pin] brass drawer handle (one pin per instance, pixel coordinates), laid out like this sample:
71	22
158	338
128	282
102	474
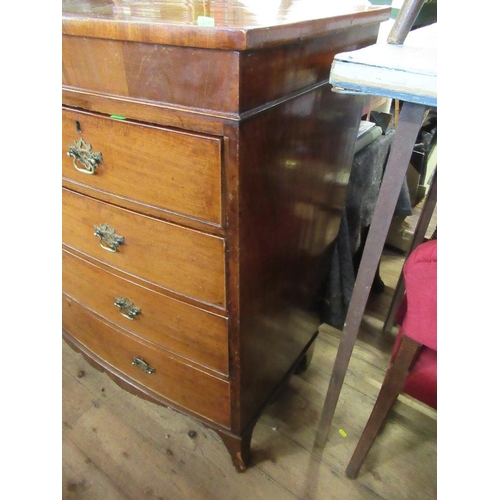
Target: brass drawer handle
143	365
108	239
126	307
82	153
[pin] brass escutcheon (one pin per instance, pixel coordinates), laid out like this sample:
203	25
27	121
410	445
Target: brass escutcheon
143	365
81	152
108	239
126	307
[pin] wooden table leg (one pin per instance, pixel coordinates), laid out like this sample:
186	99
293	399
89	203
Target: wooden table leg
410	121
418	237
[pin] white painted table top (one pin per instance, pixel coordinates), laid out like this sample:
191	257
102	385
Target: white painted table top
407	72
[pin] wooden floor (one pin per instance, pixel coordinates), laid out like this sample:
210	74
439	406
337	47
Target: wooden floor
117	446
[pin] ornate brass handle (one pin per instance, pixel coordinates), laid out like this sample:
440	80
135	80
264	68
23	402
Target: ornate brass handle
126	307
143	365
82	153
108	239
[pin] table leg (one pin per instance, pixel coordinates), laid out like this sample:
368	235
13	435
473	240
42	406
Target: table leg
410	121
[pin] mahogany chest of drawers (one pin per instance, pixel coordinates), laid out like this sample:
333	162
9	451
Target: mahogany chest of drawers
205	161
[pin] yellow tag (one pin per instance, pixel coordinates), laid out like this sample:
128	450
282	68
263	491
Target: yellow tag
343	433
205	21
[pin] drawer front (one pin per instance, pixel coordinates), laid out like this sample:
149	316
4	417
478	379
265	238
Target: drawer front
179	383
179	259
173	171
183	329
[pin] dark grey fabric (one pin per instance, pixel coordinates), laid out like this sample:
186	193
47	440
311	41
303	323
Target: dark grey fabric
361	197
364	185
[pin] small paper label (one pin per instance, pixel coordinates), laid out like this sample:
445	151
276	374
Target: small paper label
205	21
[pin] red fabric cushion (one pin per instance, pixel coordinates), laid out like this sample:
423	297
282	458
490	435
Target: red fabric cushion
417	313
421	383
420	274
418	318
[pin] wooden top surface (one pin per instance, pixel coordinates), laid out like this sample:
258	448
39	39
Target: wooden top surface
407	72
228	24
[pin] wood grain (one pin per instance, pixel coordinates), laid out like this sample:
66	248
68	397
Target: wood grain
185	330
116	445
292	186
224	82
170	170
236	25
172	380
259	148
179	259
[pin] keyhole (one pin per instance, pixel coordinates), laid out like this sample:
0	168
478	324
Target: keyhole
78	127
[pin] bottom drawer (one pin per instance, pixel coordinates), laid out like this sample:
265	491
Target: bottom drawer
183	385
185	330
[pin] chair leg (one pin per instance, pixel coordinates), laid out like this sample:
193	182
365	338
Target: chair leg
418	237
391	387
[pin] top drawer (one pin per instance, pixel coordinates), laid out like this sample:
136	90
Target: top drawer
173	171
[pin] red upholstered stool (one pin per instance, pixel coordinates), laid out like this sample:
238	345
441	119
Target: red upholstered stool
413	366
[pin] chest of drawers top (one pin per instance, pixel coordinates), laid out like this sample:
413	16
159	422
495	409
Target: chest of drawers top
252	55
227	25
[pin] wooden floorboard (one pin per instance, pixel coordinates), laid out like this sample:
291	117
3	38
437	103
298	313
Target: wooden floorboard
116	446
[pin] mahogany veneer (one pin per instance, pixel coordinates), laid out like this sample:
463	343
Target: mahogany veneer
220	164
